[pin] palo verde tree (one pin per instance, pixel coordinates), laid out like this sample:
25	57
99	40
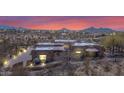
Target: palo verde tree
114	44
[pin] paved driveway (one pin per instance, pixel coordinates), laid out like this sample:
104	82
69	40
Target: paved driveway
23	57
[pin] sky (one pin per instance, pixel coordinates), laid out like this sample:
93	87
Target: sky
59	22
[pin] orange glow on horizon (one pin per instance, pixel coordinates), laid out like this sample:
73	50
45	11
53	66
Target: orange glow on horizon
59	22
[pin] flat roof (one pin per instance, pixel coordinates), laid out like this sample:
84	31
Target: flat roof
92	50
49	43
84	44
49	48
66	41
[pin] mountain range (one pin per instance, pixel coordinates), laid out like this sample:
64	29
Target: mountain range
98	30
5	27
87	30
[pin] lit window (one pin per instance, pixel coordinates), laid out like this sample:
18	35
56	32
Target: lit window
42	57
78	52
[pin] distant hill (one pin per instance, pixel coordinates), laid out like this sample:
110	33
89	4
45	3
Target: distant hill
64	30
5	27
11	28
89	30
98	30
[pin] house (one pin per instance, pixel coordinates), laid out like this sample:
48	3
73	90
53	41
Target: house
65	50
67	43
47	52
85	49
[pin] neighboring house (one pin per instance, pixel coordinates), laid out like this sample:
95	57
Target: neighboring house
85	49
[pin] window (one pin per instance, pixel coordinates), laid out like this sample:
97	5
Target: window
42	57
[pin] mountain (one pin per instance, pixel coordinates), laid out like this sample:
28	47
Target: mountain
12	28
64	30
97	30
5	27
89	30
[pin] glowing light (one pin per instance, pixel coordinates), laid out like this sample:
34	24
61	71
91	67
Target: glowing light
19	53
43	64
78	52
42	57
24	50
14	56
6	63
31	65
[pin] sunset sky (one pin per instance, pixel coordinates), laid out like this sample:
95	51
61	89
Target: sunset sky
58	22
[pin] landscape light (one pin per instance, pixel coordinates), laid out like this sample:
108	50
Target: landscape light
24	50
31	65
43	64
19	53
14	56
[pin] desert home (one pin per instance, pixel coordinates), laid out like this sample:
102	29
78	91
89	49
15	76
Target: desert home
61	50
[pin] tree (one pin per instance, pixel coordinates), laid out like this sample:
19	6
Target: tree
115	44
